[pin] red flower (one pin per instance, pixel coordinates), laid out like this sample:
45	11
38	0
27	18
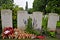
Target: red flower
8	30
40	37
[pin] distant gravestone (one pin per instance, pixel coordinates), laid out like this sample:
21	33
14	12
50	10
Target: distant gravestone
22	17
52	20
6	17
37	20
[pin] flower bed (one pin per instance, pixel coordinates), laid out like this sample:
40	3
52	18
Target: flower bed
9	32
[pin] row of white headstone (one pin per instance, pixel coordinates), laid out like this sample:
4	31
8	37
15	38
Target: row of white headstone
22	16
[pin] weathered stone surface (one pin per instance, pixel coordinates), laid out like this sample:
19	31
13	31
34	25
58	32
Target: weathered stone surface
37	20
52	20
6	17
22	17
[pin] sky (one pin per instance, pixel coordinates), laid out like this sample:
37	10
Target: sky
22	3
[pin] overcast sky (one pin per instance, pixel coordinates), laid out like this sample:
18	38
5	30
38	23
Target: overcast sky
22	3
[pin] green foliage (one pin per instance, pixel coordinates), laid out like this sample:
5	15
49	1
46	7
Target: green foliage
6	4
29	27
57	10
51	34
36	32
47	6
44	24
44	20
53	6
14	15
30	11
58	24
40	5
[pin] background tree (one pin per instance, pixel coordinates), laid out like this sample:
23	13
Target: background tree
30	10
47	6
6	4
40	5
26	8
53	6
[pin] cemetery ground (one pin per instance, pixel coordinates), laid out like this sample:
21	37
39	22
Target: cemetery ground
48	38
37	18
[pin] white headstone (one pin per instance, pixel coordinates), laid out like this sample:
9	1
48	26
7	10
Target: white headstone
37	21
52	20
6	17
22	17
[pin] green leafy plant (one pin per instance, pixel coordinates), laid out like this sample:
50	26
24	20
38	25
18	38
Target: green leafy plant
51	33
58	24
30	29
44	25
36	32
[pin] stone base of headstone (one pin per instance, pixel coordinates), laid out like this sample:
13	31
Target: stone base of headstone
58	33
21	28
